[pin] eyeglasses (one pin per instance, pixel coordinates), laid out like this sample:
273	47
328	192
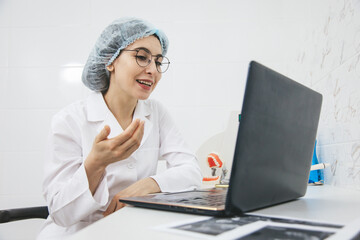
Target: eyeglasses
143	58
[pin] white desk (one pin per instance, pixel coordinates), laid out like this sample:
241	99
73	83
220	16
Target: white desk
321	203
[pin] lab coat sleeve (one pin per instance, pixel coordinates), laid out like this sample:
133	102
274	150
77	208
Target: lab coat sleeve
66	187
183	171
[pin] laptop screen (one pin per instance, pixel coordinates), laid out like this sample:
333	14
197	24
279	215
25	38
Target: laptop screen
275	141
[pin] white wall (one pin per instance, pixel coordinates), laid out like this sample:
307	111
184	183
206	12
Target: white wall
44	44
328	60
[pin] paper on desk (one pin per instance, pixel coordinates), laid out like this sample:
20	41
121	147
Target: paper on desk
249	227
204	228
350	231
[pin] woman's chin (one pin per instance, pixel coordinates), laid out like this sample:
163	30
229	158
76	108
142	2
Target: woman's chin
143	96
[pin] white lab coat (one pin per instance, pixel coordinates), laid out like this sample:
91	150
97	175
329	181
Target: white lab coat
66	190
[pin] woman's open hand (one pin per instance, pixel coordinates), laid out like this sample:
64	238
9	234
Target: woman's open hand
106	151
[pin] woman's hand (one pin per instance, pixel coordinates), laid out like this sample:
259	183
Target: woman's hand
106	151
140	188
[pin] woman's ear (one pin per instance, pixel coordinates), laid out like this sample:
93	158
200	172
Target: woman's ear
110	68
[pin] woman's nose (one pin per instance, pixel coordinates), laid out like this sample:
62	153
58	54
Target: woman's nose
151	68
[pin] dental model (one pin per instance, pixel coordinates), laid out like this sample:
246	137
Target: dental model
218	170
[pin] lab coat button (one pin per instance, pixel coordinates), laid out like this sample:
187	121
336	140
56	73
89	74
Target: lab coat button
130	165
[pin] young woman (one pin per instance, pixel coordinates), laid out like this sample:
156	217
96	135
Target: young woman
108	145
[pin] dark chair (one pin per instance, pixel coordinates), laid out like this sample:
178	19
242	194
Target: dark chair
16	214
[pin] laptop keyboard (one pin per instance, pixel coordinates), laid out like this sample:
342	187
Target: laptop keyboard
209	200
201	198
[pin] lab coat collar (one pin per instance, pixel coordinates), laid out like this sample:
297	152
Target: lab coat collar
97	111
142	112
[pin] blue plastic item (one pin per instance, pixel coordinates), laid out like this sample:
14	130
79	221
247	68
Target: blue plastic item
316	176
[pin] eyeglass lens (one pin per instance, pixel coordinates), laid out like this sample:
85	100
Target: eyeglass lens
143	58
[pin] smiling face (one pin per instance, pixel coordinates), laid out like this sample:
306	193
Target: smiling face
127	78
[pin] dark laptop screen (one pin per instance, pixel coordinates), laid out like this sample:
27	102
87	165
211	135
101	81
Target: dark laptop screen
275	140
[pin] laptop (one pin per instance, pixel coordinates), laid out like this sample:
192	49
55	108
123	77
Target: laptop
273	151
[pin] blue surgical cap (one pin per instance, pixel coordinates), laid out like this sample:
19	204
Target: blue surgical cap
115	37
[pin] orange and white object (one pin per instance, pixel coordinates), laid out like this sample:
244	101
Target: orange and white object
214	161
216	165
209	179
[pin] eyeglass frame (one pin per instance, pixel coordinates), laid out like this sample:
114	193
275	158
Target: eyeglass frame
148	51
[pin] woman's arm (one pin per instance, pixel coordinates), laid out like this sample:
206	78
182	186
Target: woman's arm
74	191
140	188
66	188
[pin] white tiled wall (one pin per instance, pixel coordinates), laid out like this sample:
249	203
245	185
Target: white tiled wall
44	44
329	61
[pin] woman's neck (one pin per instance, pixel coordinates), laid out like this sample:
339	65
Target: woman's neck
121	106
